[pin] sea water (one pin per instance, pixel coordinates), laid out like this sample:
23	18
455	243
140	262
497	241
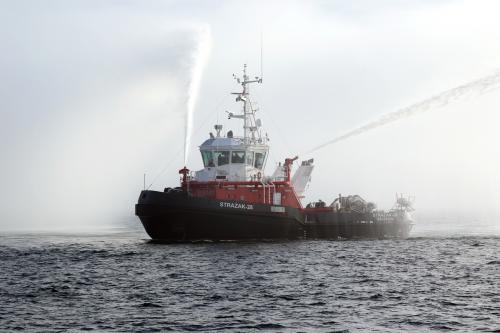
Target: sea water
121	281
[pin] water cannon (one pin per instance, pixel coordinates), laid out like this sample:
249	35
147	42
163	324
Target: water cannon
288	167
184	172
291	160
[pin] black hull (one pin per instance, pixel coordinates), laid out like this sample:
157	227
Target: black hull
174	216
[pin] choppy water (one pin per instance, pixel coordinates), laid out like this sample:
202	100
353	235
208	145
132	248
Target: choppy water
122	282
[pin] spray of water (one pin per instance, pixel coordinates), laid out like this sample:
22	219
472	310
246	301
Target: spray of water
198	62
480	86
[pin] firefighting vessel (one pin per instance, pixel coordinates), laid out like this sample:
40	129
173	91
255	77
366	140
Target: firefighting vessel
232	198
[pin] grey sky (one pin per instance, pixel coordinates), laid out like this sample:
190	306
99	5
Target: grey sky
93	94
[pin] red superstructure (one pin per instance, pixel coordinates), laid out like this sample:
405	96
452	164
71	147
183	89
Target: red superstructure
279	192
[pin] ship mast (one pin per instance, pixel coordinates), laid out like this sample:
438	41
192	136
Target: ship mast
250	126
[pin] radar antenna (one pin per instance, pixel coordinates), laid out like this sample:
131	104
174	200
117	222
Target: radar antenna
250	124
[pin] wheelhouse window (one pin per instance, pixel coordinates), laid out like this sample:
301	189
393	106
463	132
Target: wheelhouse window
238	157
208	159
259	160
250	158
221	157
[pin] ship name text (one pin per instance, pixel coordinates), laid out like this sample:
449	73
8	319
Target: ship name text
235	205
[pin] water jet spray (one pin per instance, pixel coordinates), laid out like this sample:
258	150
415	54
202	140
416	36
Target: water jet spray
482	85
199	59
